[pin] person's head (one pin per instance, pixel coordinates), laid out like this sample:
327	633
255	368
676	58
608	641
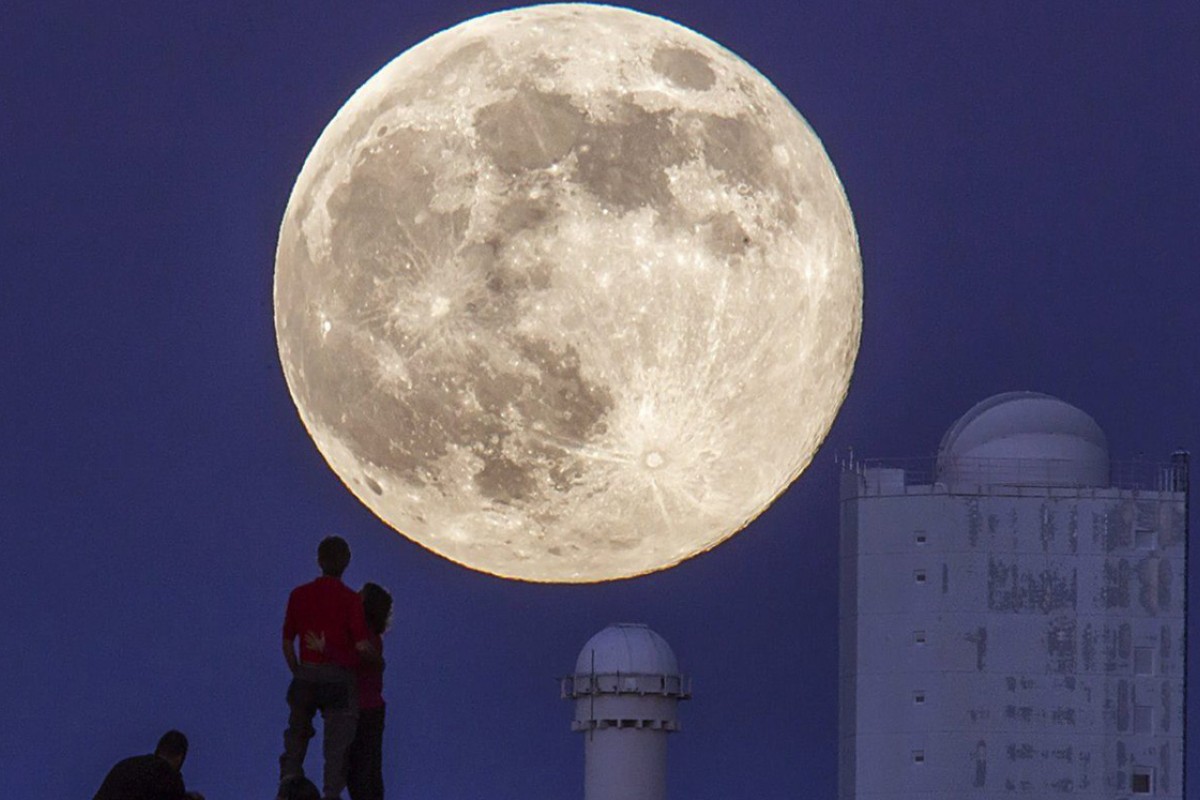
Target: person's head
377	607
299	787
333	556
172	748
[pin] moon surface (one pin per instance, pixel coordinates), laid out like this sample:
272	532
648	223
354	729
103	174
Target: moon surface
568	293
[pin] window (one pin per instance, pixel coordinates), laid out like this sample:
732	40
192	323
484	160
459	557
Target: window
1143	719
920	537
919	637
1143	661
919	697
1143	538
919	576
918	756
1142	780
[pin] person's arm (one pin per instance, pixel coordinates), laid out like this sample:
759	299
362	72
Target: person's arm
289	654
368	654
289	634
183	794
361	635
169	786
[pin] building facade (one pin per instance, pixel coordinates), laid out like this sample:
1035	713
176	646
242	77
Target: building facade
1013	616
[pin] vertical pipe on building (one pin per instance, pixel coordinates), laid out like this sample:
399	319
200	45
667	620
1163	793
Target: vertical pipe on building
1182	479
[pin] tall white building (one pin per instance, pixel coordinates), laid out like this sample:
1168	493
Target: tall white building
1013	616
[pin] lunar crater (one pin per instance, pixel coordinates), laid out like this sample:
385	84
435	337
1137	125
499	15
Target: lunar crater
684	68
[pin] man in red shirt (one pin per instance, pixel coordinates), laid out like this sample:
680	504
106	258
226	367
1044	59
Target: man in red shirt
327	618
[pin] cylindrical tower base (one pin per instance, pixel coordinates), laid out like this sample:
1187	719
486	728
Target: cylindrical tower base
625	764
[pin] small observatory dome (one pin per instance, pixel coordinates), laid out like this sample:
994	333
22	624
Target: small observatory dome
628	648
626	691
1024	439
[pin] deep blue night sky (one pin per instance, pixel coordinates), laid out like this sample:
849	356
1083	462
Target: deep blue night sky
1025	179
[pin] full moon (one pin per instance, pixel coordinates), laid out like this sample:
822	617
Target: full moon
568	293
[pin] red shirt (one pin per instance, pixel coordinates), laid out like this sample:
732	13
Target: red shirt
370	678
327	615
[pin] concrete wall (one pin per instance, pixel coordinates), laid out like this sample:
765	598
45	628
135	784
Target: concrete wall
994	645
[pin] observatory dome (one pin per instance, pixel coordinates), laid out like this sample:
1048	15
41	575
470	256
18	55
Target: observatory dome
627	648
1024	439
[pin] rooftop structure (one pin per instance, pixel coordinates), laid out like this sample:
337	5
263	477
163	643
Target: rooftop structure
1013	615
1024	439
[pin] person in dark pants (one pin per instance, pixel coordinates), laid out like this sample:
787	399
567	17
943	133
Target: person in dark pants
298	787
151	777
364	761
327	618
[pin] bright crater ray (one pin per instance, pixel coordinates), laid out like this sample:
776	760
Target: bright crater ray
568	293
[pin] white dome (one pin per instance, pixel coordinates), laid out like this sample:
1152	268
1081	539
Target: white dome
1024	439
628	648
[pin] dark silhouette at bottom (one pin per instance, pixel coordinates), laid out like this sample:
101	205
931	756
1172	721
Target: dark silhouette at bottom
155	776
299	787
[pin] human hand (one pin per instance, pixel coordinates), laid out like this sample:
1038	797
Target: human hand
314	642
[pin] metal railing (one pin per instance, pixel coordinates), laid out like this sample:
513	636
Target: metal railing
895	476
640	683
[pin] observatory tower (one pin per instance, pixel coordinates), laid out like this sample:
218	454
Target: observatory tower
1013	615
626	689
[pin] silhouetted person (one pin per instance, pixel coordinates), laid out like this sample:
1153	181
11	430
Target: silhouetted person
151	777
298	787
364	760
327	617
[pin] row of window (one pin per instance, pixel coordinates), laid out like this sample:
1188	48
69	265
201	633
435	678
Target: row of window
1143	657
1143	538
1143	716
1141	780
